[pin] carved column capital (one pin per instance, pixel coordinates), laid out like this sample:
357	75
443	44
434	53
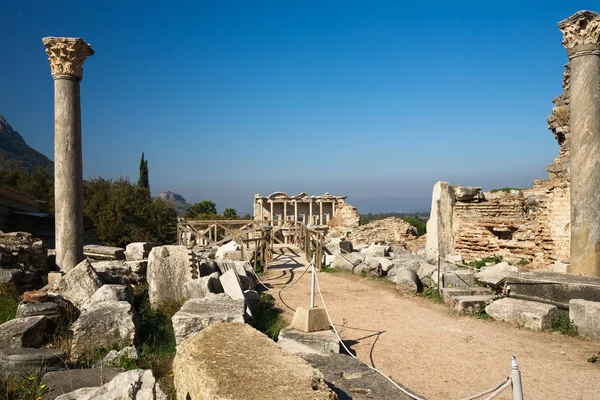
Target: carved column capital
66	56
581	33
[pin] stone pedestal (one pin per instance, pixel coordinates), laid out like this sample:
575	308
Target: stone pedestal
66	56
581	39
310	320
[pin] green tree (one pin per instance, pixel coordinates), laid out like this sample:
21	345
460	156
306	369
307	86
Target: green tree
39	184
417	223
143	179
230	213
121	212
205	207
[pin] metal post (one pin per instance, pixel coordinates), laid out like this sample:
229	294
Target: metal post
312	285
515	376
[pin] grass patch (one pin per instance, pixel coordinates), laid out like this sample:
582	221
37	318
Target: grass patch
433	295
564	325
523	263
9	301
505	190
328	269
22	388
594	358
482	263
483	315
267	318
382	278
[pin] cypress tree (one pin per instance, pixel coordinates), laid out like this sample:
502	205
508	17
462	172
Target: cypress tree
143	179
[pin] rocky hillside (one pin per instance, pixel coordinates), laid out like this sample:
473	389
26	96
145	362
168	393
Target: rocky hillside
16	154
176	199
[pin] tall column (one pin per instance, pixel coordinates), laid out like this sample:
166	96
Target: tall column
582	40
296	210
320	212
285	210
310	216
262	206
333	209
66	56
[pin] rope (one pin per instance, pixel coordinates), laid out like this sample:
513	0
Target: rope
488	391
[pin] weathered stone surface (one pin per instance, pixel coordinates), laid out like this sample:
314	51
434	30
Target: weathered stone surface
77	285
137	384
198	288
99	252
529	314
139	250
35	296
114	356
27	361
407	282
448	293
196	314
440	238
205	364
371	266
553	288
229	247
386	264
138	267
586	317
104	324
321	341
310	319
244	271
351	379
169	269
10	274
495	275
115	272
231	285
345	220
337	246
22	250
109	293
467	193
470	304
66	381
23	332
391	230
346	261
458	278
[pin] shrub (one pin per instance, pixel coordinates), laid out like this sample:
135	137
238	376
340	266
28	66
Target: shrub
564	325
434	295
267	318
9	301
482	263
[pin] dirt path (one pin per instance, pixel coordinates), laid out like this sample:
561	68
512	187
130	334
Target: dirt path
436	354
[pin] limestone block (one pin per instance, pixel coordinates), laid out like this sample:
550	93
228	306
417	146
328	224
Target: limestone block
115	272
322	341
10	274
109	293
138	251
386	264
77	285
204	365
231	285
198	288
196	314
449	293
528	314
458	278
66	381
346	261
23	332
104	324
98	252
138	267
227	247
586	317
554	287
113	356
120	387
28	361
440	237
337	246
467	193
310	319
169	269
495	275
371	266
470	304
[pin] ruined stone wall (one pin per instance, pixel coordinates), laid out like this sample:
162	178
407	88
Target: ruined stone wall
391	230
531	224
345	220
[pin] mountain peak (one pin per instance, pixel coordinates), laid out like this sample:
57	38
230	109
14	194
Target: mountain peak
16	154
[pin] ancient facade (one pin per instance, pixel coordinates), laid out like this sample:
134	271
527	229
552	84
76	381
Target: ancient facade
311	210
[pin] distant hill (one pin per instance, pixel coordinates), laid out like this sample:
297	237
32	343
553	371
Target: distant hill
176	199
16	154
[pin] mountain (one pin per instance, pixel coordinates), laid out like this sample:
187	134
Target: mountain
176	199
16	154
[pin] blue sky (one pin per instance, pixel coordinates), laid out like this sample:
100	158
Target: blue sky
376	100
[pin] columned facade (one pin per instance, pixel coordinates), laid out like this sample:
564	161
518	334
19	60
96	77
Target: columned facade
279	207
581	34
66	56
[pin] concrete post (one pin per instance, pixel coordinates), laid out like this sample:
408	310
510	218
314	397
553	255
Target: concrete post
581	34
66	56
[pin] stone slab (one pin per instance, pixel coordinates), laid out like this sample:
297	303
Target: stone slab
310	320
350	379
321	341
448	293
23	332
61	382
586	317
459	278
235	361
231	284
529	314
99	252
25	361
470	305
494	276
553	287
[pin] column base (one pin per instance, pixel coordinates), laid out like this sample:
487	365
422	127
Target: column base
310	320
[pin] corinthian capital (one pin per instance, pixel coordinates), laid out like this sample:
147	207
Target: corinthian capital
581	33
66	56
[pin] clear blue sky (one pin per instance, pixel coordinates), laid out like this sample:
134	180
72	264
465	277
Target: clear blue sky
376	100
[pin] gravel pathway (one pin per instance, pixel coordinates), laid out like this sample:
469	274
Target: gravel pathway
436	354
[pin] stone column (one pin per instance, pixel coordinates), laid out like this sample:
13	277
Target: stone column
262	206
333	209
285	210
66	56
271	218
321	212
296	210
310	216
581	34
